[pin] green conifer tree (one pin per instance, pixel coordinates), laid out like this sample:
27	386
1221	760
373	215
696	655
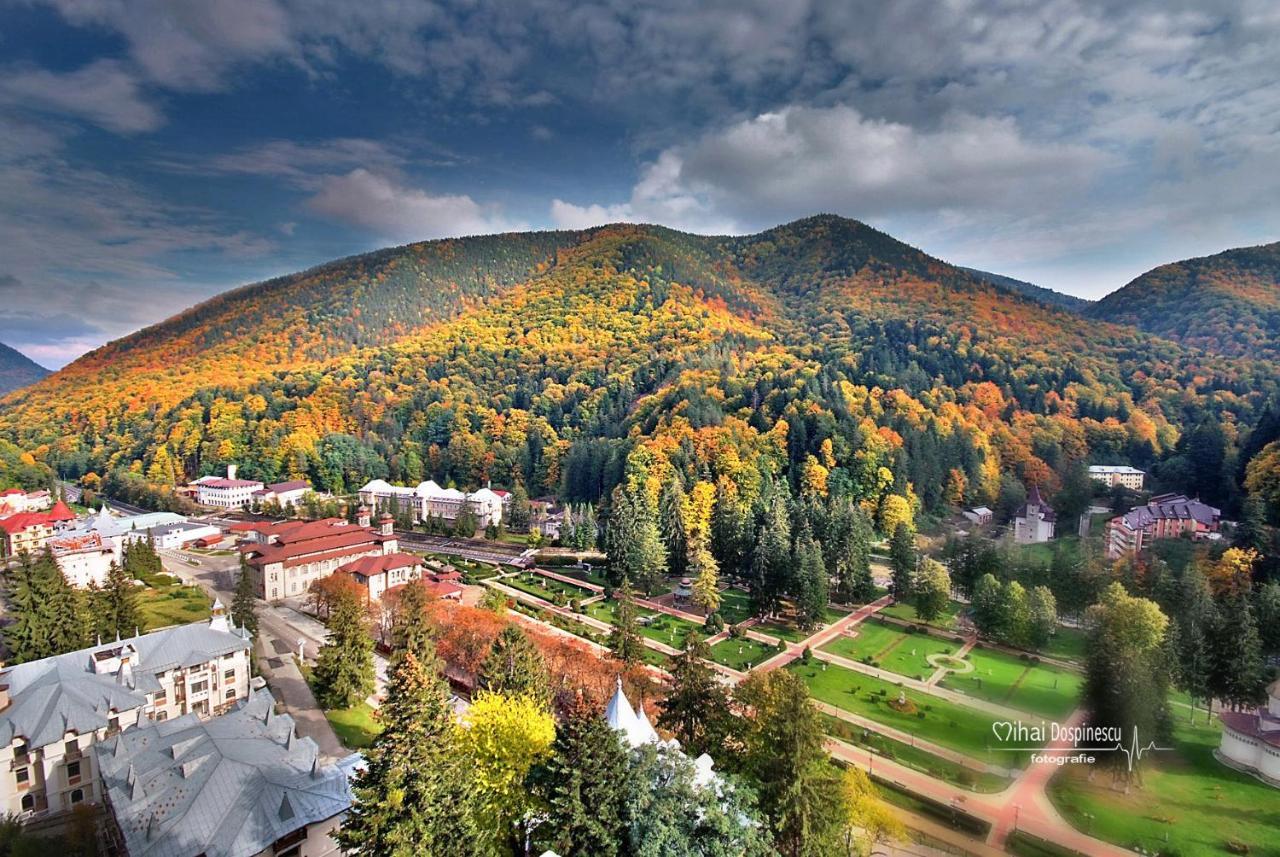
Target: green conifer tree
515	667
344	668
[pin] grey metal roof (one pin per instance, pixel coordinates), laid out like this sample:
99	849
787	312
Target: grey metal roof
52	696
225	787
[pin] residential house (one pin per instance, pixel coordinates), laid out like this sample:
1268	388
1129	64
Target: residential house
285	557
30	531
54	710
979	515
241	785
1034	522
15	500
1112	475
283	494
1164	516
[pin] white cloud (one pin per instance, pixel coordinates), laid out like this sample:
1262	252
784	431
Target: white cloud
566	215
402	213
103	92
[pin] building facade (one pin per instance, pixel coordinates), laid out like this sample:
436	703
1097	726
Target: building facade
1166	516
1035	521
285	557
1251	739
283	493
30	531
429	500
54	711
228	493
84	558
1113	475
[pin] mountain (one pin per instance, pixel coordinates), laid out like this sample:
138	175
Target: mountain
822	352
1031	290
17	370
1228	303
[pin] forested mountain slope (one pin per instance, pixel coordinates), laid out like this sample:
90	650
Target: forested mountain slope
1228	303
1031	290
822	352
17	370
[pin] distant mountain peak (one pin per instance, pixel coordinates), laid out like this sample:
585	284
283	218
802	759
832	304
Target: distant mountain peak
17	370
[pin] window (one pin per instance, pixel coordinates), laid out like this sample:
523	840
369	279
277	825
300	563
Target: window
161	698
231	693
71	748
162	715
23	776
229	675
200	687
28	803
73	771
77	795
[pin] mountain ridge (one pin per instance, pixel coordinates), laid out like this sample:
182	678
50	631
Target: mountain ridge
17	370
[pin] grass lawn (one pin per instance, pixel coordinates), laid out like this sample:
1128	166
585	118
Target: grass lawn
735	606
1188	796
172	605
944	723
1008	680
543	587
891	649
905	611
753	653
1066	644
356	726
913	757
593	576
661	627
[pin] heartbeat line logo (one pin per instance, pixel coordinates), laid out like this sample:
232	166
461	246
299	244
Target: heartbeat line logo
1074	743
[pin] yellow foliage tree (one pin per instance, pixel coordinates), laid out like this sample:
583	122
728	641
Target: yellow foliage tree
1232	574
895	510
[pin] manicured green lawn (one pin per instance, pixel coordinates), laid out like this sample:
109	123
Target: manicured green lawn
944	723
752	653
891	649
1008	680
356	726
913	757
1187	795
543	587
735	606
905	611
660	626
172	605
1066	644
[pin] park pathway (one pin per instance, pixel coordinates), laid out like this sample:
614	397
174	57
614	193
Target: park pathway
822	636
913	740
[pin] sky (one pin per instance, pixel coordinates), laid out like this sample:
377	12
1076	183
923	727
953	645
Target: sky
156	152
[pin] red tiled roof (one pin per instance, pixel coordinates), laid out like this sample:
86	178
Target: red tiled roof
13	524
230	483
60	512
440	589
308	550
80	543
371	565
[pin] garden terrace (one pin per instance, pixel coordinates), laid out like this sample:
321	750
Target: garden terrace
1018	682
887	647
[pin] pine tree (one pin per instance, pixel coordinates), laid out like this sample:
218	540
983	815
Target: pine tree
343	673
244	606
413	796
987	605
696	710
1197	618
785	755
624	639
584	785
771	556
411	627
1044	617
811	581
515	667
519	514
847	551
1236	672
635	548
902	560
118	605
671	522
1267	607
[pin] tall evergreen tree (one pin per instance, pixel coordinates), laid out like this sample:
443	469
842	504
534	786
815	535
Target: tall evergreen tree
244	606
411	625
811	589
519	513
671	522
584	785
902	560
785	756
624	639
1197	618
770	573
343	672
50	616
635	548
118	605
987	605
932	589
847	552
730	528
1236	673
696	710
515	667
413	795
1267	607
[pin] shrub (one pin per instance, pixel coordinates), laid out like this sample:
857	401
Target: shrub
806	655
714	623
920	715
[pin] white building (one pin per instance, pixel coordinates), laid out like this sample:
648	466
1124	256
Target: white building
637	731
228	493
53	711
429	500
979	515
84	558
1113	475
1251	739
285	557
15	500
283	493
116	530
1034	521
176	535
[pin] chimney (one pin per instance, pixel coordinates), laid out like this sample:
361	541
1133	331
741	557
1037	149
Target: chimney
231	471
362	516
